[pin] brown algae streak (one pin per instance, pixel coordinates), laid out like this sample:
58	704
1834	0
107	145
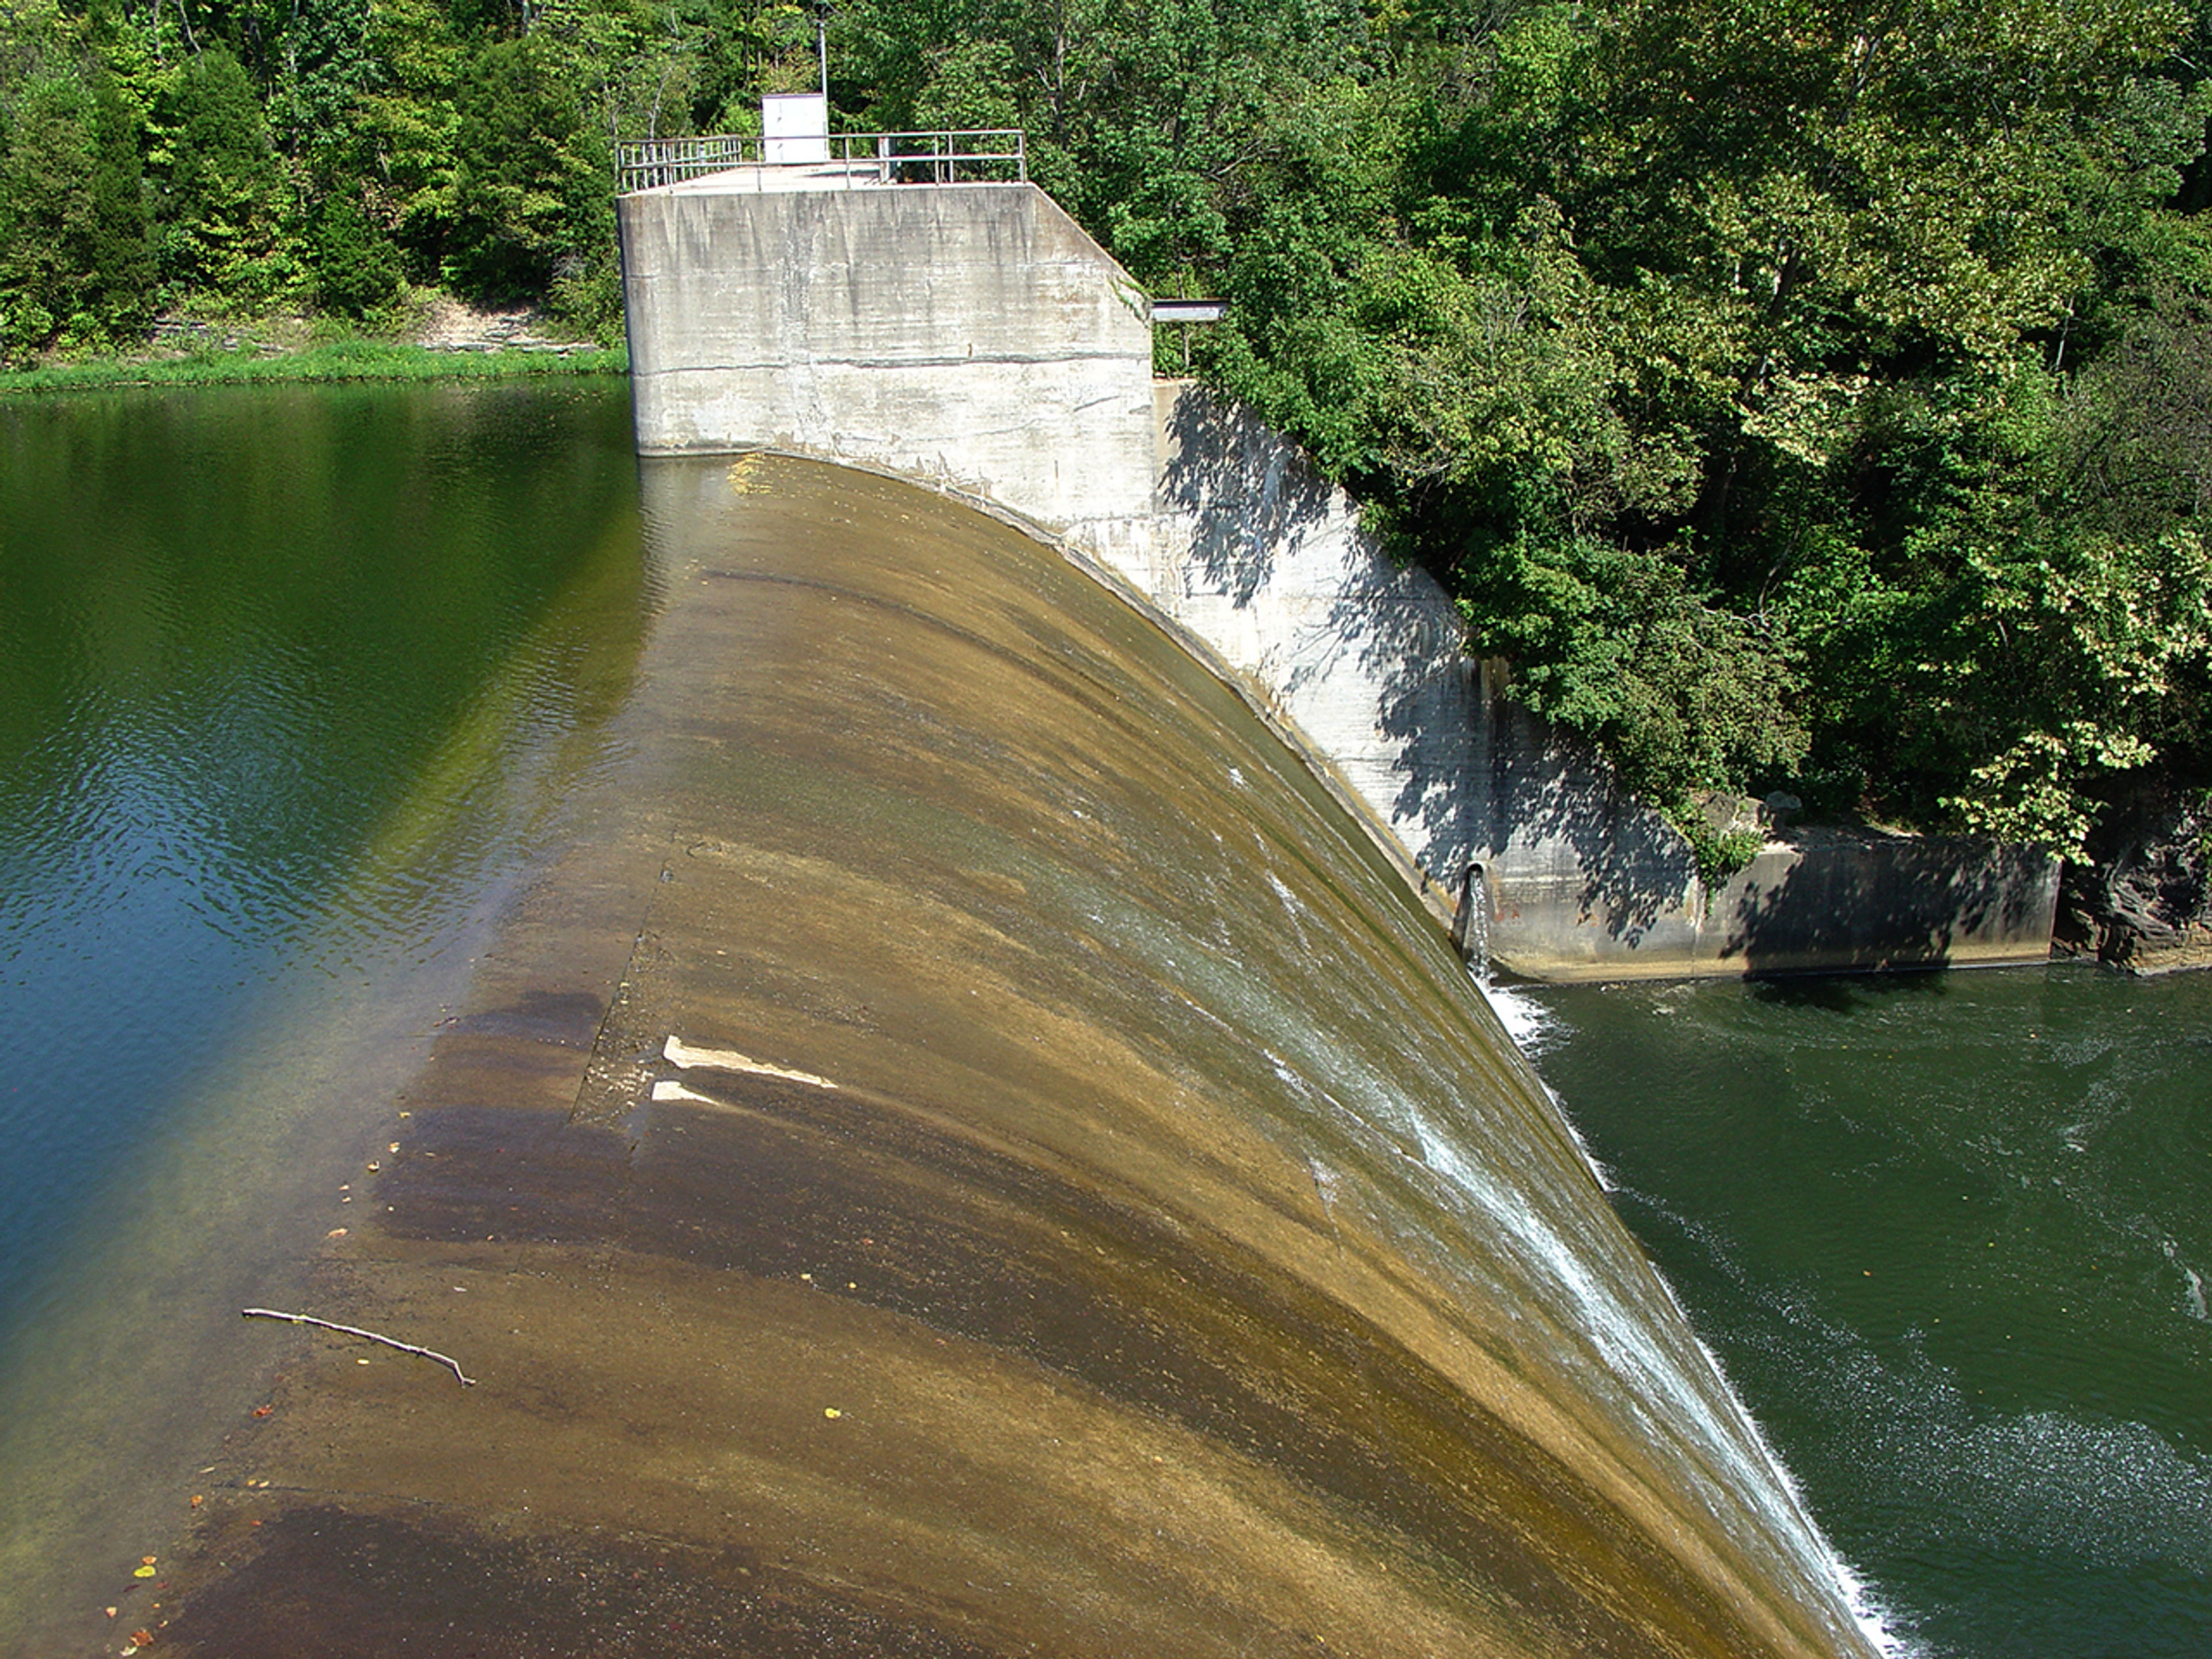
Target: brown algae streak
969	1150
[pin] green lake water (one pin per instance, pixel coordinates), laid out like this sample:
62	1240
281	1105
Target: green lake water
289	679
271	661
1951	1235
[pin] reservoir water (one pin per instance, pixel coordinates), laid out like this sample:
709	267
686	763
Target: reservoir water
239	631
289	678
934	1131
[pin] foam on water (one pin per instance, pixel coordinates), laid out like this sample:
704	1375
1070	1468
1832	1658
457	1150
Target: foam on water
1526	1021
1877	1622
1952	1474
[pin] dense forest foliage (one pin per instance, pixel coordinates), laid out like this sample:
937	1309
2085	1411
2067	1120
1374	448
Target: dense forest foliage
1800	393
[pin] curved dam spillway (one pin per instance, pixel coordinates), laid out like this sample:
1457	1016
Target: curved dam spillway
969	1150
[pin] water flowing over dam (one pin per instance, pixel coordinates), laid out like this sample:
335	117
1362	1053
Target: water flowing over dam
969	1148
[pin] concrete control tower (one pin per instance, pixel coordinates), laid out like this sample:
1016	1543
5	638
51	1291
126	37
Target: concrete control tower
904	300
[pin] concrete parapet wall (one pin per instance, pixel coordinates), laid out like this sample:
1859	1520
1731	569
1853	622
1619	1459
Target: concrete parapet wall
974	338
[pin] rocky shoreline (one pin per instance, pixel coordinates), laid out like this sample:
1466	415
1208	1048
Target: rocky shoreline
2143	904
439	323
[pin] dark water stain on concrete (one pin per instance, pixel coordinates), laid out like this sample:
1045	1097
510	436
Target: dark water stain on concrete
370	1583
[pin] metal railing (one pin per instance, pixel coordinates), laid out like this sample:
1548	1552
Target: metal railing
998	154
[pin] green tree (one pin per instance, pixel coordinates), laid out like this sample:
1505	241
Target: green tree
1140	113
405	130
51	149
118	253
970	89
326	60
222	205
1714	349
74	250
533	182
357	270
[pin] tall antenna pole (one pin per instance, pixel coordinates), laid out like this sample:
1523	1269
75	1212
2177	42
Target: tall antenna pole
821	51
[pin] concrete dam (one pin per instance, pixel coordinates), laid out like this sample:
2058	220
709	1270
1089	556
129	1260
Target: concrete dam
965	1147
971	337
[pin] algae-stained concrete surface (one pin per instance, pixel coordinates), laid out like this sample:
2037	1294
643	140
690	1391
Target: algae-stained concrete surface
968	1151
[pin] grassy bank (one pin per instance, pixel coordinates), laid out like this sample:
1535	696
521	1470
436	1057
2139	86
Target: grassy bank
344	360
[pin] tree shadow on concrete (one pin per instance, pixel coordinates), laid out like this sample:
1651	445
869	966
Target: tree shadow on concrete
1246	491
1878	903
1479	778
1541	810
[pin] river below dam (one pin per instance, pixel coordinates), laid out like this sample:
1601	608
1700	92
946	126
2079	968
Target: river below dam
934	1135
1950	1233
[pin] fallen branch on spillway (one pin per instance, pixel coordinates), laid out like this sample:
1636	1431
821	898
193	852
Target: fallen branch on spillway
446	1360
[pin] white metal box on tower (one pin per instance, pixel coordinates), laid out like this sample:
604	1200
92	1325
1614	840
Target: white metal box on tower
794	127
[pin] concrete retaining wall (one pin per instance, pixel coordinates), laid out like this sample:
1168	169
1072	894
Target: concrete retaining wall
973	336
